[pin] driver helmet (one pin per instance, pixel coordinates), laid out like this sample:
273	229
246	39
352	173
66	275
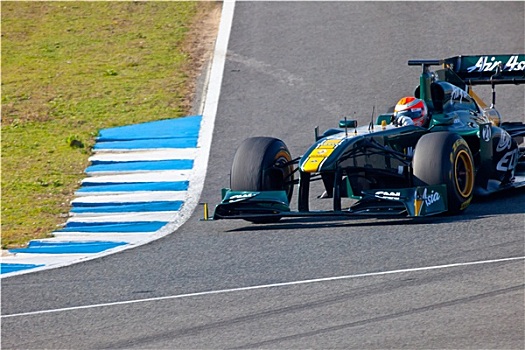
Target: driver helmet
414	108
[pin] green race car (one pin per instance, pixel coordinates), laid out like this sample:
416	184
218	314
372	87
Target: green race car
460	149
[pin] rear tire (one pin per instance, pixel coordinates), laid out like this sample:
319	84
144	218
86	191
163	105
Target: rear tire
445	158
257	166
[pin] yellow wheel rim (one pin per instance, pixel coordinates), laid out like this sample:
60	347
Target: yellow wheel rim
464	174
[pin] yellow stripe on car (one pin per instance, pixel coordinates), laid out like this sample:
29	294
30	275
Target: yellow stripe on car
319	155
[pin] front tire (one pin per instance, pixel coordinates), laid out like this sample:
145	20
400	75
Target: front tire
445	158
259	164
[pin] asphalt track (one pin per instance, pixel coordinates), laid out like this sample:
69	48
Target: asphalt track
446	282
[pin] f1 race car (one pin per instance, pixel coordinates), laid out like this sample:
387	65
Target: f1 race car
385	168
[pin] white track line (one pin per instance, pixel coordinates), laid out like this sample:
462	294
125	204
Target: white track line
125	217
211	103
265	286
141	155
152	194
148	176
127	197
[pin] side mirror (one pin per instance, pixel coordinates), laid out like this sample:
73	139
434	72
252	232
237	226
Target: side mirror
345	123
384	117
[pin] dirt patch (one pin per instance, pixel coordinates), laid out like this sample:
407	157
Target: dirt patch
199	45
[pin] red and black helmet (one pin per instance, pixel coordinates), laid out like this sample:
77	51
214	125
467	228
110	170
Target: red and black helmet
414	108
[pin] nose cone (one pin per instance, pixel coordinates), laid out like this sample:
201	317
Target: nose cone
317	155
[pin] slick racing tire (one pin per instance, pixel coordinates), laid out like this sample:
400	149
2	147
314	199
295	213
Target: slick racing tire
445	158
258	166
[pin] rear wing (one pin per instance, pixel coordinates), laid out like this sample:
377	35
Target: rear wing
481	69
466	71
488	69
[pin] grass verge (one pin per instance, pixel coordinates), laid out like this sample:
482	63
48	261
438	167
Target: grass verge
70	69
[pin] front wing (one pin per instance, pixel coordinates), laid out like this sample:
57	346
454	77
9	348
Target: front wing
411	202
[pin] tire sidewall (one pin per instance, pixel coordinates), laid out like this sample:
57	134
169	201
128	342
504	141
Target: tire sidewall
435	162
253	157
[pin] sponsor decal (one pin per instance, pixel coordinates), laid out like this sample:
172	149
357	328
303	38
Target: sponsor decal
457	144
388	195
504	142
465	204
425	199
486	133
486	64
508	161
431	198
458	94
242	196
